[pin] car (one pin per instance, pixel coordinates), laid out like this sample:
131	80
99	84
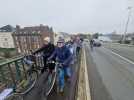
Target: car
86	40
97	43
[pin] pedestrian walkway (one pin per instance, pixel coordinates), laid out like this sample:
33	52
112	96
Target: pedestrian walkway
37	93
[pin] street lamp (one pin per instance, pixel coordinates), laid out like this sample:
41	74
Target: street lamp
126	27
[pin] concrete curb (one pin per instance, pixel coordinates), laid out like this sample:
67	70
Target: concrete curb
83	92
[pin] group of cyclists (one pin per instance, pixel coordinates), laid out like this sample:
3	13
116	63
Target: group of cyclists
64	53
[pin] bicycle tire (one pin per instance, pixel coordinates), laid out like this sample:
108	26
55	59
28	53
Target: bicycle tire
34	75
53	82
29	83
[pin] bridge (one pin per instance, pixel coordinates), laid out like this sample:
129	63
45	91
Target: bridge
106	73
13	73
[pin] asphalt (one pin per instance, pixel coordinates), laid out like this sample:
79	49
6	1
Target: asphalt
110	77
123	50
97	87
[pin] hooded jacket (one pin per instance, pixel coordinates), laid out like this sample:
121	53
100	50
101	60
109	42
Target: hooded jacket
47	50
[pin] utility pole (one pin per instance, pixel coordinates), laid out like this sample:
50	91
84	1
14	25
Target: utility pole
126	27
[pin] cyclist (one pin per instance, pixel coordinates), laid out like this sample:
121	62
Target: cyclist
63	56
79	45
91	44
47	49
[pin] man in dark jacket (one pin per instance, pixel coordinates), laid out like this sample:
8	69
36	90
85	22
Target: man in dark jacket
47	49
63	56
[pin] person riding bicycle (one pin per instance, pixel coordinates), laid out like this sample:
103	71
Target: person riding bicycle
47	49
79	45
91	44
63	56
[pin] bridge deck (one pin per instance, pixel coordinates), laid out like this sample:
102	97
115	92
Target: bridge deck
37	92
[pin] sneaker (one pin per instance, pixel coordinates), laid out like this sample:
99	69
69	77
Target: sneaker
69	80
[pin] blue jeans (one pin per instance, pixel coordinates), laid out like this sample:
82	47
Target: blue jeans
66	71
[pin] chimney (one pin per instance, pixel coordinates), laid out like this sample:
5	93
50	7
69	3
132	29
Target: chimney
17	27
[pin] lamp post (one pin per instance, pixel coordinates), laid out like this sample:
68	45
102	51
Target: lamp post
126	27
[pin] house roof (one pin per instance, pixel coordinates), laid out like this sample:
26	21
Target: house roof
7	28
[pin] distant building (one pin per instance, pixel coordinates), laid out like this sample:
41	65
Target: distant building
31	38
6	40
132	42
7	28
130	37
114	37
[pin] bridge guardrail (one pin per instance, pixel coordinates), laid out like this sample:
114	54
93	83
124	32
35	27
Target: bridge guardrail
13	71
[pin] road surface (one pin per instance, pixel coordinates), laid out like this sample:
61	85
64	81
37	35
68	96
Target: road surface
123	50
110	77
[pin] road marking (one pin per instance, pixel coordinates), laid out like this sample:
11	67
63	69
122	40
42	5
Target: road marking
88	95
129	61
123	44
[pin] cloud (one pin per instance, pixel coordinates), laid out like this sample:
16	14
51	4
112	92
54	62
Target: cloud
69	15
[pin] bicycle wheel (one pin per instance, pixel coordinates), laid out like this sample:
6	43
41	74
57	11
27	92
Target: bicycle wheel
32	78
14	97
28	84
51	81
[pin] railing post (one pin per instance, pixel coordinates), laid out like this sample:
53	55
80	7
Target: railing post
18	72
24	68
2	73
12	76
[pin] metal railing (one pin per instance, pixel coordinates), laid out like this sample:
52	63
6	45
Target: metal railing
13	71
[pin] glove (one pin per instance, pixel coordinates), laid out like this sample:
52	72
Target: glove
64	64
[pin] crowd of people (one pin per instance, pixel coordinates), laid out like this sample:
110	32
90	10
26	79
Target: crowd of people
64	53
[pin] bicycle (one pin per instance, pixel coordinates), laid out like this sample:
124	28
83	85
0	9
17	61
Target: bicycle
14	96
39	67
92	47
54	78
51	78
26	84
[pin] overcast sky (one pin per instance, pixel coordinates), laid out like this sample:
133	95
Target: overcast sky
69	15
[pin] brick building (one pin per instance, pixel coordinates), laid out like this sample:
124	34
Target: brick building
31	38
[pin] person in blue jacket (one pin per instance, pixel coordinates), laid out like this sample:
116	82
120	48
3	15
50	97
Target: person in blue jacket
62	55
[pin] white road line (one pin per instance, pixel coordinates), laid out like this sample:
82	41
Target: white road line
88	95
129	61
